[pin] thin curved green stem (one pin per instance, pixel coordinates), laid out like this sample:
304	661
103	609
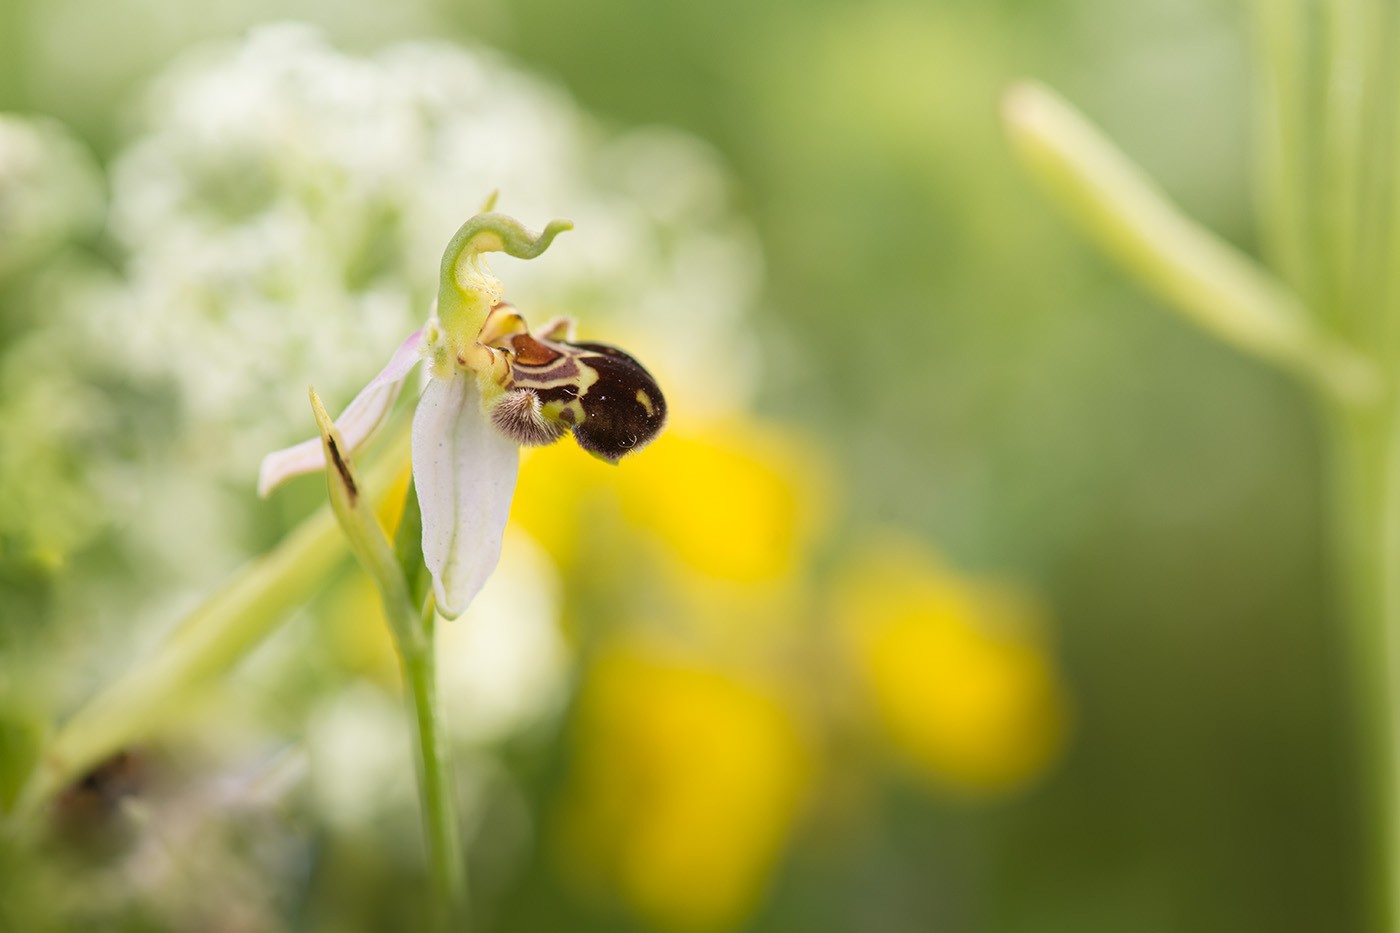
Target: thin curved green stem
414	637
1217	286
436	785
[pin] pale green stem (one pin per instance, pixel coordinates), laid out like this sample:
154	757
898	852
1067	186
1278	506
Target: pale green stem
1198	273
414	637
1343	131
207	643
1382	187
1366	475
436	787
1355	232
1376	170
1285	155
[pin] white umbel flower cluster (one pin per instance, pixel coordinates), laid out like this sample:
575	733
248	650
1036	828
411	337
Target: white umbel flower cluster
50	196
49	190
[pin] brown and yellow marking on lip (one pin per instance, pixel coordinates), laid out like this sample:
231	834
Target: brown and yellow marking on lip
563	406
503	322
560	366
623	407
531	352
564	371
551	386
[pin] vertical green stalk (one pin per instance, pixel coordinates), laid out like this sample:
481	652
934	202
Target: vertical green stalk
415	639
435	785
1342	131
1382	183
1287	162
1329	207
416	642
1366	499
1354	236
1376	173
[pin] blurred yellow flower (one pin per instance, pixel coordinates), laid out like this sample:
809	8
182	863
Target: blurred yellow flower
686	786
355	633
554	493
736	502
957	673
732	501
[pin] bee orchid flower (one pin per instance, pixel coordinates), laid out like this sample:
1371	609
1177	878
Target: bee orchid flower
493	386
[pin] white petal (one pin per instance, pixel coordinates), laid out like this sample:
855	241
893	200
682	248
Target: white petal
358	423
464	470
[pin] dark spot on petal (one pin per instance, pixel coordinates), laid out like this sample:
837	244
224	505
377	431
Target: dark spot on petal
624	409
343	469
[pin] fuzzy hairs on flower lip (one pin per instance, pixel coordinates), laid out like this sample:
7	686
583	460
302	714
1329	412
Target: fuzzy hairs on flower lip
519	415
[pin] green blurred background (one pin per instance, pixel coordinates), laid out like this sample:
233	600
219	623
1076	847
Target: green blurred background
975	378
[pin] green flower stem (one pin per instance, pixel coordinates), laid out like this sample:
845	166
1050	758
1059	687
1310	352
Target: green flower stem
1204	277
414	637
1364	547
1348	35
436	787
1286	155
1366	475
1355	224
360	524
209	642
1364	83
1381	185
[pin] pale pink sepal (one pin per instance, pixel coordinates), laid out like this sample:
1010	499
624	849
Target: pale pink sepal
465	471
358	423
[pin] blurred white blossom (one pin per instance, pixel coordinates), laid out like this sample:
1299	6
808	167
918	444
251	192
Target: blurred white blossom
50	189
504	666
50	195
